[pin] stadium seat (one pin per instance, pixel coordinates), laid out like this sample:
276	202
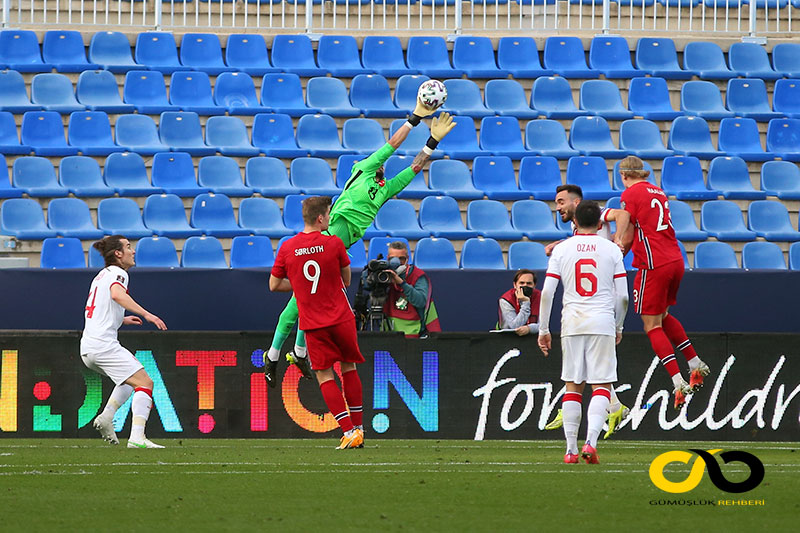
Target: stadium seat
273	134
612	57
357	254
794	256
235	92
435	253
380	246
268	177
429	56
65	51
748	98
616	178
203	52
229	136
507	98
528	255
203	252
649	98
464	98
592	136
384	55
722	219
642	138
691	136
539	176
520	57
90	132
293	54
330	96
54	93
338	54
729	175
682	177
23	218
36	176
147	92
785	59
292	213
6	189
312	176
157	51
125	173
344	167
112	51
213	215
62	253
591	174
440	217
9	137
406	89
121	216
453	178
415	141
495	176
762	255
191	91
319	135
166	216
362	135
785	97
475	56
462	141
399	219
783	135
501	137
548	138
781	179
417	188
751	61
682	219
98	91
490	219
740	137
248	53
156	252
552	97
95	259
13	94
262	216
181	131
484	254
221	175
19	50
659	57
565	56
370	94
703	99
707	60
602	98
252	252
284	94
81	175
770	220
714	255
173	172
70	217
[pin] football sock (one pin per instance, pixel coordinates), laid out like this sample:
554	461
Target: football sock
663	349
351	384
596	413
335	402
300	344
286	322
571	412
614	406
274	353
119	395
140	407
677	335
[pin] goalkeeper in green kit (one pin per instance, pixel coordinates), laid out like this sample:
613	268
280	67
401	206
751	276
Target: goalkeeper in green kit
363	195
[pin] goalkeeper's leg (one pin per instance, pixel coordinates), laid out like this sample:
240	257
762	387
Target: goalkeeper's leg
342	229
286	323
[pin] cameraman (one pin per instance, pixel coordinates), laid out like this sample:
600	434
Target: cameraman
519	306
409	307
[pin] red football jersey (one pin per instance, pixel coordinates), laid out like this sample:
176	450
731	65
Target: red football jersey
313	264
654	242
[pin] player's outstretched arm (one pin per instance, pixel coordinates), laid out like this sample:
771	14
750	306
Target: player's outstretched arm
420	112
279	284
121	296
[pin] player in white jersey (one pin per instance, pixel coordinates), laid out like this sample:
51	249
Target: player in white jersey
594	305
100	349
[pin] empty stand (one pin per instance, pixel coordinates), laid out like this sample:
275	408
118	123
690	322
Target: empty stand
682	177
164	214
319	135
658	57
203	252
248	53
36	176
362	135
156	252
703	99
464	98
90	133
313	176
591	174
251	252
213	215
691	136
642	138
730	176
552	97
490	219
565	56
236	92
329	95
65	51
203	52
475	56
293	53
284	94
612	57
540	175
127	175
454	179
268	177
433	253
714	255
484	254
273	134
748	98
781	179
770	220
112	51
82	176
369	93
530	255
429	56
158	51
520	57
384	55
762	255
751	61
399	219
147	92
592	136
138	133
262	216
54	92
229	136
507	98
440	217
98	91
23	218
62	253
722	219
221	175
174	173
121	216
495	176
339	55
70	217
501	136
649	98
181	131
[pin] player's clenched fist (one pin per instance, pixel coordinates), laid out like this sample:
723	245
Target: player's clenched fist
441	126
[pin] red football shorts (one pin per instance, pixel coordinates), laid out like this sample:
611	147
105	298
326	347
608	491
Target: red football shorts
655	290
334	343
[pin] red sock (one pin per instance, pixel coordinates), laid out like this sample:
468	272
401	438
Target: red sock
674	330
663	349
335	402
351	383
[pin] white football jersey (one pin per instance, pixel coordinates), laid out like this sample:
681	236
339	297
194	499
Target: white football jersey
605	229
587	266
103	316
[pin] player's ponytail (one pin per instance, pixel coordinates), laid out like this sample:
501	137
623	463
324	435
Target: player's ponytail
107	246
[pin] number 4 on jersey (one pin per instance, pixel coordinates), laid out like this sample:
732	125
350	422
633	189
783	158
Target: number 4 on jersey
90	306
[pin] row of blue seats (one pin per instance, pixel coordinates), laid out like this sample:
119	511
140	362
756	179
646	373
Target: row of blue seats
439	216
339	55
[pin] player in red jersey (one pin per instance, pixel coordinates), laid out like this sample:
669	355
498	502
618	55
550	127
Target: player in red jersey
317	269
645	224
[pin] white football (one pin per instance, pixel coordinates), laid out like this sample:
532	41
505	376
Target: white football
432	93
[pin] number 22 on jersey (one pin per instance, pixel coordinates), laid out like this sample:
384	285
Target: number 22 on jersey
663	215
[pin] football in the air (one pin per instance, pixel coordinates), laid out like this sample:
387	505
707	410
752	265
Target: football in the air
432	94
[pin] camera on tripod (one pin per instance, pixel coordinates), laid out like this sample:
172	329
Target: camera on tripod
376	282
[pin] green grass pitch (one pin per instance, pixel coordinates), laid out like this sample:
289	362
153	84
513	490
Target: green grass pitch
390	485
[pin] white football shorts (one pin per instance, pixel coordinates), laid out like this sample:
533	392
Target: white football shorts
589	358
117	363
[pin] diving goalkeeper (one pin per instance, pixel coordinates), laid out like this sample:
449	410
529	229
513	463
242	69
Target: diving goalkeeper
363	195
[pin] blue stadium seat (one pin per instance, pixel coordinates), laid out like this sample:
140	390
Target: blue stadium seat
319	135
147	92
642	138
794	256
292	213
9	138
566	57
592	136
415	141
552	96
528	255
338	54
703	99
213	215
682	177
602	98
406	89
222	176
384	55
548	138
284	94
748	98
490	219
229	136
612	57
330	96
707	60
156	252
539	176
591	174
262	216
440	216
501	136
268	177
95	259
19	49
121	216
722	219
70	217
680	3
716	255
464	98
786	59
495	176
293	54
762	255
429	56
62	253
65	51
203	52
729	175
507	98
357	254
191	91
371	231
273	134
236	92
112	51
344	168
125	173
313	176
6	189
98	91
751	61
82	176
770	220
520	57
36	176
435	253
138	134
475	56
370	94
165	215
248	53
362	135
380	245
740	137
616	179
691	136
90	132
173	172
156	50
54	93
13	94
785	97
649	98
181	131
682	219
23	218
484	254
453	178
417	188
399	219
252	252
659	57
782	138
462	141
203	252
781	179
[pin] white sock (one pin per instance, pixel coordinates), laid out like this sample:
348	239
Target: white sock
571	413
300	351
140	407
119	395
677	380
615	404
273	354
596	413
694	363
